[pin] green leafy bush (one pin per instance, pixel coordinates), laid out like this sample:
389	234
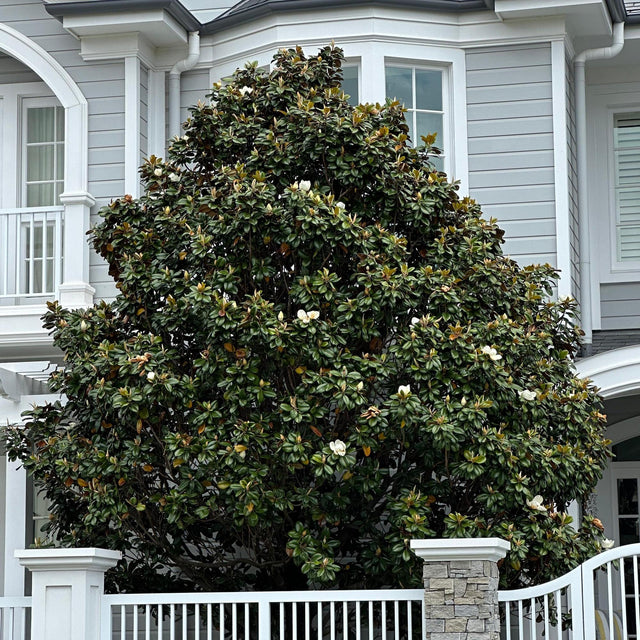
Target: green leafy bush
318	352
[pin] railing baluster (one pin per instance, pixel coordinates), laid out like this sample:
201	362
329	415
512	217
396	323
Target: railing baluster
307	621
135	622
222	622
558	596
623	592
147	622
319	621
545	604
32	245
532	624
410	621
610	599
58	251
282	621
185	619
294	619
197	620
247	623
123	623
370	620
383	619
332	619
45	228
159	634
520	621
4	238
234	621
396	620
172	622
358	620
209	621
345	620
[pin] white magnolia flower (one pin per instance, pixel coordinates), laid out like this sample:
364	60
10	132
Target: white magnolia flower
281	316
305	185
83	326
185	137
536	503
525	394
174	177
157	172
151	376
341	205
338	448
565	299
307	317
245	90
404	390
607	544
360	386
414	321
491	352
463	402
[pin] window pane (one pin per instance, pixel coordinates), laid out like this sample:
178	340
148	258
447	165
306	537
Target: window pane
41	124
59	161
350	84
429	123
429	89
627	130
59	124
40	163
41	195
398	81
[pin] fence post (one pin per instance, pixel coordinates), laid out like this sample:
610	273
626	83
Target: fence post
67	588
461	587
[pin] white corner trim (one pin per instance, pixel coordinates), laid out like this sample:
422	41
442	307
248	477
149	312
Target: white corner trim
616	373
561	166
443	549
132	125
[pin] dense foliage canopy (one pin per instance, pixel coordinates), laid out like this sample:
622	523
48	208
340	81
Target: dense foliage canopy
318	352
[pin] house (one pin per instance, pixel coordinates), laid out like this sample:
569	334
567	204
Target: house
536	104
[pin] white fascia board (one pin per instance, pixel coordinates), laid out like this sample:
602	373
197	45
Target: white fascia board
160	29
116	47
21	328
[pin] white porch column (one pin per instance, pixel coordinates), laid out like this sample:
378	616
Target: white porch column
67	587
75	291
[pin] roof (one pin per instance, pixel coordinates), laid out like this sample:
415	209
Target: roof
250	9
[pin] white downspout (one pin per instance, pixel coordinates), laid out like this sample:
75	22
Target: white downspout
174	82
583	188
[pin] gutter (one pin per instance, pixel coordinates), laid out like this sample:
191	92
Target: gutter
583	183
174	82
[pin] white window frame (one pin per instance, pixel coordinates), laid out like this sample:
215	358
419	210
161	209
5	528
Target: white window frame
26	104
604	102
445	70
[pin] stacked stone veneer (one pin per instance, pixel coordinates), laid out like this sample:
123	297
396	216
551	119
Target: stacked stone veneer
461	588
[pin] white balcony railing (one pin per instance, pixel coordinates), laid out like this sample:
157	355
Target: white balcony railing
31	251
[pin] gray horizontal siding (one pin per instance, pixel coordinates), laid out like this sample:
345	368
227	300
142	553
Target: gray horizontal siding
511	158
194	86
620	305
12	71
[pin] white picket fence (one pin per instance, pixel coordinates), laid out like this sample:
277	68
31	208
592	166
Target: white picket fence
307	615
599	600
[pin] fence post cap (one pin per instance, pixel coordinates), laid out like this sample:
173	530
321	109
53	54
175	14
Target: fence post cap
87	559
444	549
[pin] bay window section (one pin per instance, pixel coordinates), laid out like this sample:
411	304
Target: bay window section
626	159
350	83
421	91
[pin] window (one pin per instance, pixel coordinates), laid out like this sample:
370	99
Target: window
43	171
626	160
350	82
421	90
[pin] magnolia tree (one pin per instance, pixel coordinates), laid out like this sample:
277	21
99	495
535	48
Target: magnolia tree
317	352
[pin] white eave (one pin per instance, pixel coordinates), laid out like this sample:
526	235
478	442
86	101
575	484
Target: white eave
583	17
159	28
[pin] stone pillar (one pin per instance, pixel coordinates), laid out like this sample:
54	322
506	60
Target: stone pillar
461	587
67	588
